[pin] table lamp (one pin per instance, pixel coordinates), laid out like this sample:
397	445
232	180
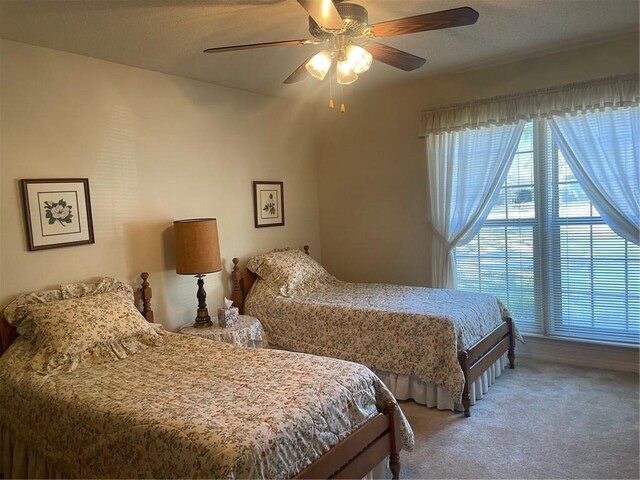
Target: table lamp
198	253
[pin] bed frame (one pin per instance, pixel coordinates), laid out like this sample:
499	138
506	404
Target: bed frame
355	456
473	361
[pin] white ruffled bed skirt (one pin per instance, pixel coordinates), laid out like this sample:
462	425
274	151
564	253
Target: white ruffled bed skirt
408	387
379	472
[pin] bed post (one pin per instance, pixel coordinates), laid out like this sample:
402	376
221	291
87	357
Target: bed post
512	343
463	358
8	334
237	295
306	249
145	296
391	411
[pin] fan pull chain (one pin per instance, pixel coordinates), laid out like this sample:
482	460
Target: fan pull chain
330	89
343	109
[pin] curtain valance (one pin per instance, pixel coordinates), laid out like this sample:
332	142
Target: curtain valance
577	97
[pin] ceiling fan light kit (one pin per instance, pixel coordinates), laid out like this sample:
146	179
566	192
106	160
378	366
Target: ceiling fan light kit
319	64
359	59
352	61
344	73
341	25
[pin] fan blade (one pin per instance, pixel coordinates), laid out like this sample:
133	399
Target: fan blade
299	73
392	56
261	45
455	17
324	12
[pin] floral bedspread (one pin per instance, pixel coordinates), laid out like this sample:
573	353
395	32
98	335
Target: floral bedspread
189	408
408	330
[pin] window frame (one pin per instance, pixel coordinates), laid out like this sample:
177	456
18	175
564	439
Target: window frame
547	253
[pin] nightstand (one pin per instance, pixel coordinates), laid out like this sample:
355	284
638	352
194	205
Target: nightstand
248	333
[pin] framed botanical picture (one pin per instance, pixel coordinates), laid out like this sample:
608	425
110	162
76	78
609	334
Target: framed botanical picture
57	212
268	204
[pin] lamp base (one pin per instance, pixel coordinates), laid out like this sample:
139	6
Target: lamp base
203	320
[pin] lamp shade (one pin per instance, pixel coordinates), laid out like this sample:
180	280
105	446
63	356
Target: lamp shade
197	246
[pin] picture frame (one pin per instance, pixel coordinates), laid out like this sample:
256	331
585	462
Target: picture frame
57	212
268	204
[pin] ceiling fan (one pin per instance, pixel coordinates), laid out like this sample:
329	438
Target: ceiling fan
344	27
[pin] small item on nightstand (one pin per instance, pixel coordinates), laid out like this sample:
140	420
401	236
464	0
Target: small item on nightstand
229	316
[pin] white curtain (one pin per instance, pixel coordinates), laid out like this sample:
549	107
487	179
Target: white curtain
602	149
466	169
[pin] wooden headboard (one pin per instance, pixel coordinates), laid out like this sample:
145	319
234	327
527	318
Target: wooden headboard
243	281
142	296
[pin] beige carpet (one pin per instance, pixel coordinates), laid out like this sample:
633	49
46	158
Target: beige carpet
540	420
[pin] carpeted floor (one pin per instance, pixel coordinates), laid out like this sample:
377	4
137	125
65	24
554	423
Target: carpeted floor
541	420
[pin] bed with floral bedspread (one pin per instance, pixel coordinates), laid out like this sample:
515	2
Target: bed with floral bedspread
90	389
412	331
189	408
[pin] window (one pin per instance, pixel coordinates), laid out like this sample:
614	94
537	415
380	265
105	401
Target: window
547	254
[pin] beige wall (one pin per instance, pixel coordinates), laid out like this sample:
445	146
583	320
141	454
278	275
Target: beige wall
158	148
371	165
155	148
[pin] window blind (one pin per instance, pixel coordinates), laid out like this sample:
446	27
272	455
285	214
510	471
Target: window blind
594	281
548	255
500	259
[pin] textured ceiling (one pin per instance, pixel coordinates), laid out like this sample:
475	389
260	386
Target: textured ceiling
169	35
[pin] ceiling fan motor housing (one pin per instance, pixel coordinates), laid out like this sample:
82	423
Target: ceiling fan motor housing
355	18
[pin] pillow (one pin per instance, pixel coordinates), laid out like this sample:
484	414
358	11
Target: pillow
89	329
288	271
102	285
18	309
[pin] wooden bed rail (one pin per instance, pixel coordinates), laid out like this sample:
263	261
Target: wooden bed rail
483	354
360	452
142	297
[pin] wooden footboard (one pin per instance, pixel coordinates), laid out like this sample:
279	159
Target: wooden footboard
483	354
362	450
